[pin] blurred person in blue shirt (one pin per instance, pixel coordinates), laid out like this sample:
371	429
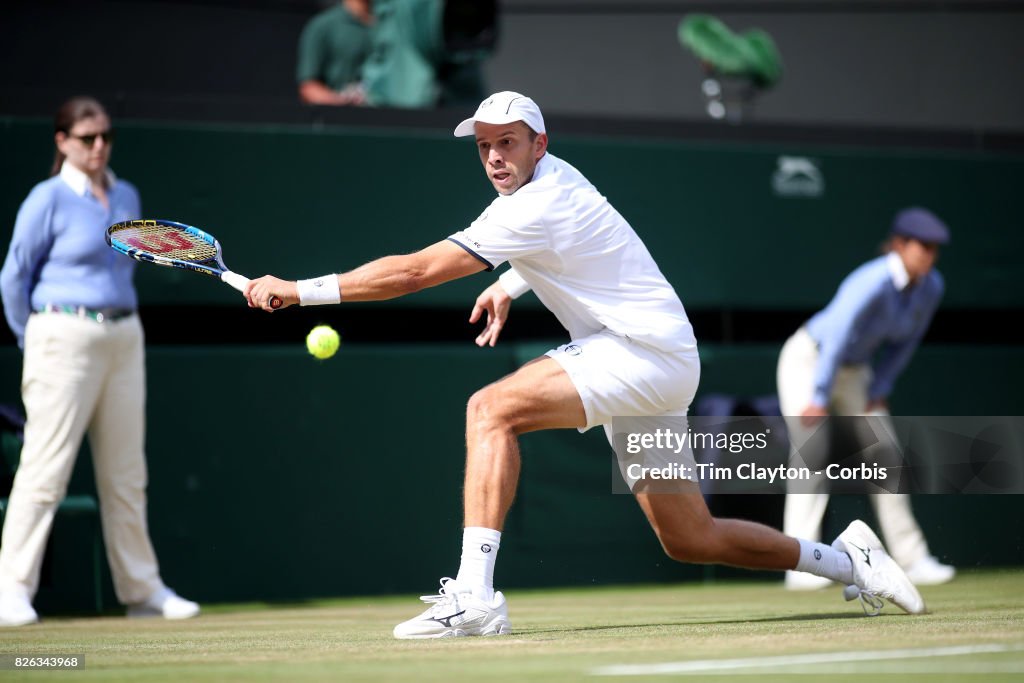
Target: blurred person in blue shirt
69	300
845	361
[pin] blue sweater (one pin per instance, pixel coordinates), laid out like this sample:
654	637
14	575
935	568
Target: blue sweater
871	321
58	254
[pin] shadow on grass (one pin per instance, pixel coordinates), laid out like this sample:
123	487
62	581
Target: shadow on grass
715	622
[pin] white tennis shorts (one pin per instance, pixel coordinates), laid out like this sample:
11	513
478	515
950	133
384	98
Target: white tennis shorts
618	377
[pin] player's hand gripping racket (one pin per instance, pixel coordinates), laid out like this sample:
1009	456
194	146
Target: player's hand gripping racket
177	245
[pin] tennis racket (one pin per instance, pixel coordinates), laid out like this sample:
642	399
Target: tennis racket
177	245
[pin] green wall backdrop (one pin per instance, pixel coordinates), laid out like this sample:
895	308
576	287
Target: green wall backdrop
294	478
300	201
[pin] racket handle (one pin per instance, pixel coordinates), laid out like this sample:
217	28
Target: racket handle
240	281
235	280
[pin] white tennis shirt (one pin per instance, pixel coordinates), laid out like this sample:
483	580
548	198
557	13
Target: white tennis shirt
581	258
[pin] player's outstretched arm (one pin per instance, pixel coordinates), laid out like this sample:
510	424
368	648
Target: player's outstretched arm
386	278
497	303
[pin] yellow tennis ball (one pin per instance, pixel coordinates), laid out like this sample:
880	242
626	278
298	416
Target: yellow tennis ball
322	341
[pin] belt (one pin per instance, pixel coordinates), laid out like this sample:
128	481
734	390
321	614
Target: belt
98	314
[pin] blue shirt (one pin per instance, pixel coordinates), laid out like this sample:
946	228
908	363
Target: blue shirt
876	317
58	254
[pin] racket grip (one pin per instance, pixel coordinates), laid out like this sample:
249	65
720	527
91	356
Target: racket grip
235	280
240	281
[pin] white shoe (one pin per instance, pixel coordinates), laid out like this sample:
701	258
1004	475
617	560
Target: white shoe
928	571
457	612
804	581
874	572
16	610
167	604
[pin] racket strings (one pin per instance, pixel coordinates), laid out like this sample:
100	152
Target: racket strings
166	241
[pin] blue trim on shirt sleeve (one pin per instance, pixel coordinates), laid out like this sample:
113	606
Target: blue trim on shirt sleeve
478	256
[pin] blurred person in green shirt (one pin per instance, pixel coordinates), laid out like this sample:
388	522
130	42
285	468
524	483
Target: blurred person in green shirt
333	48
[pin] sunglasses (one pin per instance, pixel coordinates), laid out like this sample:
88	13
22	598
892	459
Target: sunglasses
89	140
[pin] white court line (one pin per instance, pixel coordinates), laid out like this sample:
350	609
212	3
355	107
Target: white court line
710	665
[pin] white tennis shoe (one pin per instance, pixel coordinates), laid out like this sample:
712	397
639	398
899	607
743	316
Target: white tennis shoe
875	573
164	603
928	571
456	612
16	610
803	581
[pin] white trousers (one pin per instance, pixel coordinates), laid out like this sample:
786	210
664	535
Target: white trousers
804	511
78	376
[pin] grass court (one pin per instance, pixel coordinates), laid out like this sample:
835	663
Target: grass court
730	631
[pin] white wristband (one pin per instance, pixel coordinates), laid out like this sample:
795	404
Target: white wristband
319	290
513	283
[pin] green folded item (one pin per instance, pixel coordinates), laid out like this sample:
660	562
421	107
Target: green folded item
752	54
765	63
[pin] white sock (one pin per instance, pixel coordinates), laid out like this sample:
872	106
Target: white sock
824	560
479	551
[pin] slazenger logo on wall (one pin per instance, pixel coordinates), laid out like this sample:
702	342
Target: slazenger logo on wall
797	177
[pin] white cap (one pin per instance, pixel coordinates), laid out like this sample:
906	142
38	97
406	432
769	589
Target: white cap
504	107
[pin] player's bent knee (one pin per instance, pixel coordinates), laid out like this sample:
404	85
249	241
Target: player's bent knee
486	409
688	548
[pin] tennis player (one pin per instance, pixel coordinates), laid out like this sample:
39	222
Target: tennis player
632	353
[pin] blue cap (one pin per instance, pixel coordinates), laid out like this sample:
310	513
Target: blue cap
921	225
